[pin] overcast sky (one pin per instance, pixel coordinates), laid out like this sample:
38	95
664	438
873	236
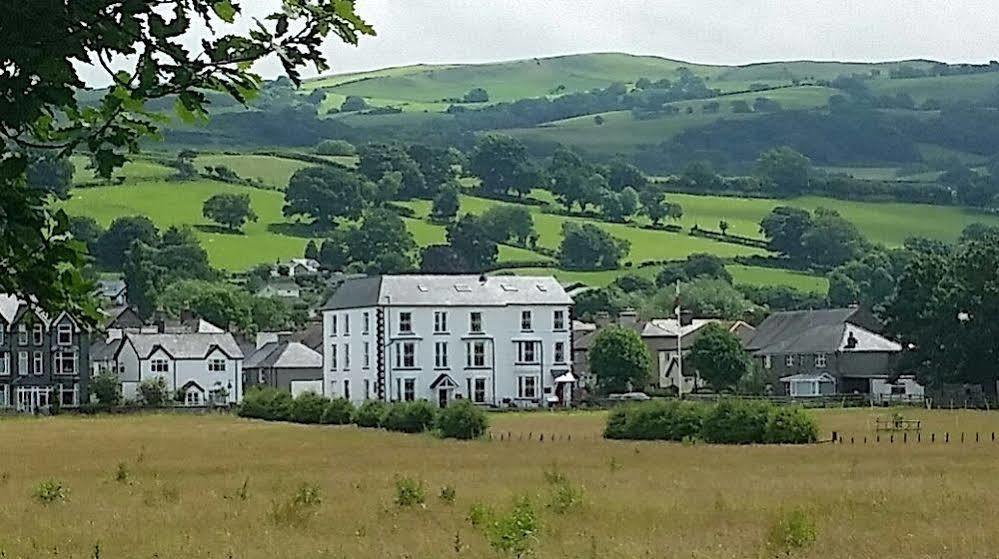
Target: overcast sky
705	31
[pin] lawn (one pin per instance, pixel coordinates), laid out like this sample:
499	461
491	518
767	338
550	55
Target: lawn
135	170
209	486
273	171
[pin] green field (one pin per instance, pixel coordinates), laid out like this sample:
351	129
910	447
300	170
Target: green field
274	171
138	169
969	87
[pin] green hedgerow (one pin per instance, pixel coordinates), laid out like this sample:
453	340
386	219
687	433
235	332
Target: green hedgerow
462	420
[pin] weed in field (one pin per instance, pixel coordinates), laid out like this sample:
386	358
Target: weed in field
564	497
554	476
409	492
614	465
244	492
479	515
299	509
121	473
50	491
4	477
448	494
142	455
791	531
170	493
515	532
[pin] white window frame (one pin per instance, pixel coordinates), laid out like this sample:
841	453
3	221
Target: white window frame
559	352
38	334
346	325
440	355
768	362
23	360
38	363
367	389
558	320
216	365
408	389
67	330
526	321
527	353
821	361
333	360
346	389
475	322
527	390
405	322
58	362
334	325
3	334
366	355
346	357
476	390
5	365
405	355
22	334
5	396
440	322
366	323
159	366
472	355
789	360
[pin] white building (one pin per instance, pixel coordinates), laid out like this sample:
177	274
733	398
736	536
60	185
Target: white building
498	341
203	368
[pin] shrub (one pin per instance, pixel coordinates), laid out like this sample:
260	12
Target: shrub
106	388
656	420
564	495
480	515
50	491
370	414
335	147
410	417
308	408
516	532
339	411
266	403
736	422
299	508
409	492
791	531
462	420
153	392
791	426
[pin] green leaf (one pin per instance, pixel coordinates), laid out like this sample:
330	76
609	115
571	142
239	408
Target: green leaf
183	112
225	10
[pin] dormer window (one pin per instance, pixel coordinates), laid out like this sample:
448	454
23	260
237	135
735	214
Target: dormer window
65	334
38	334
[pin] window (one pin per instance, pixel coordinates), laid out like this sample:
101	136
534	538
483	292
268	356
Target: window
527	387
65	363
67	394
367	389
820	360
409	389
406	322
159	366
768	362
525	321
216	365
789	360
406	356
346	357
22	363
38	363
22	334
346	389
346	325
4	364
1	334
366	355
334	322
261	378
193	398
526	352
479	394
558	322
65	334
333	357
476	354
560	352
440	322
38	334
366	323
440	355
801	360
475	322
4	396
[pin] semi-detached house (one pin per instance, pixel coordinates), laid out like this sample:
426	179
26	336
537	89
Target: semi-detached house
497	341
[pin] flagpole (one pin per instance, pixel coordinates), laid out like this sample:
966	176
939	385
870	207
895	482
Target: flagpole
679	342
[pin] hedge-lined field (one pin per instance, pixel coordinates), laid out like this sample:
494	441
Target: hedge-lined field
219	486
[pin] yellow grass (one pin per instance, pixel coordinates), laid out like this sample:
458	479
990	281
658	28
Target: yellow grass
658	500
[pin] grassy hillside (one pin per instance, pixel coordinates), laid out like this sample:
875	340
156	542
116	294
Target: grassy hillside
274	171
968	87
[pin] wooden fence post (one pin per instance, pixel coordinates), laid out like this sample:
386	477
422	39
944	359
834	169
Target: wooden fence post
947	437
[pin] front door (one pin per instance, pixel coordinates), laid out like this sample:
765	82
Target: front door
443	397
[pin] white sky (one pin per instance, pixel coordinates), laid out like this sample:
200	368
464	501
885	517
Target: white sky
704	31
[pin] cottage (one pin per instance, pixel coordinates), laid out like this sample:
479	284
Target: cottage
199	368
832	351
43	359
285	365
113	292
280	288
498	341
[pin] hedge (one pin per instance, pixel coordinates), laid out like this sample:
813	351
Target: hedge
338	412
462	420
370	413
727	422
308	408
410	417
266	403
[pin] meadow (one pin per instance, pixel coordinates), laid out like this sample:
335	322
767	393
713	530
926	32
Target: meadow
218	486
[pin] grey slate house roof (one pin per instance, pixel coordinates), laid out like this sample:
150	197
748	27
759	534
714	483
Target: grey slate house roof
284	355
184	346
447	290
818	331
104	350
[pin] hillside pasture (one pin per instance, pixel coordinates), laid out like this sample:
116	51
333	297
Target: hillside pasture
272	171
199	486
748	275
136	170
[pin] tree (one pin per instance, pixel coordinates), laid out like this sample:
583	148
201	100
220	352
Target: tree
148	270
446	203
149	43
569	174
311	250
702	265
341	148
87	231
705	297
442	259
785	227
353	103
51	173
701	175
501	163
621	174
229	210
437	165
124	231
674	212
588	247
222	304
153	392
476	95
765	105
327	194
741	106
869	280
469	237
507	223
380	244
787	170
620	360
377	159
832	240
723	227
107	389
653	201
719	358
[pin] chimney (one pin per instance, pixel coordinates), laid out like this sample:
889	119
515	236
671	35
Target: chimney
851	341
187	315
686	318
602	319
283	337
627	318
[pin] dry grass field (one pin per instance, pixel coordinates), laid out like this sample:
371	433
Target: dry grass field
189	486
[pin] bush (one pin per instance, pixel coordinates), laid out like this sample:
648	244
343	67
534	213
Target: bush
791	426
370	414
297	510
308	408
462	420
335	147
267	403
791	531
656	420
736	422
410	417
50	491
409	492
516	532
339	411
106	388
153	392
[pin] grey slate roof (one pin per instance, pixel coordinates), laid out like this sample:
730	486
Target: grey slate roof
105	350
185	346
448	290
816	331
284	355
110	288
